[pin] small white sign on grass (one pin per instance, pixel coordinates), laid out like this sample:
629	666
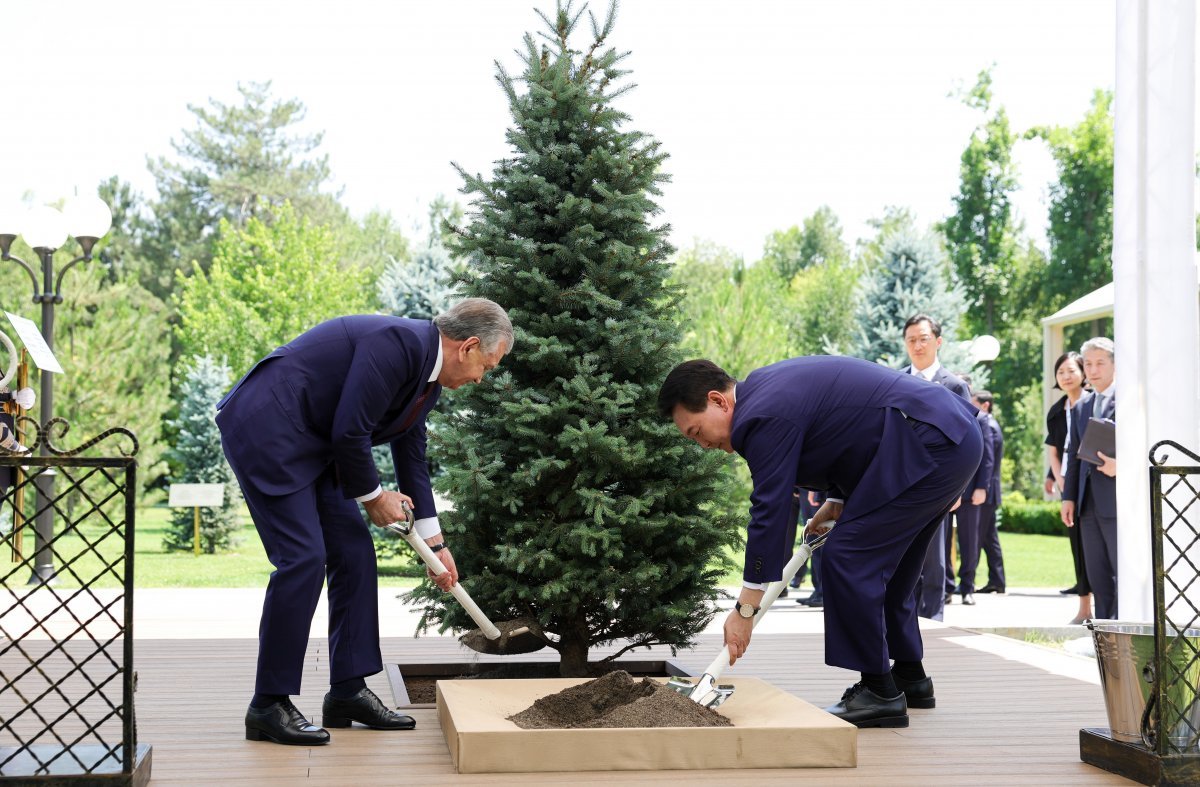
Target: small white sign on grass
196	496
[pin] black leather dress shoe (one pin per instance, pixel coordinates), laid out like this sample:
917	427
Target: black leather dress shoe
283	723
949	598
1071	591
814	600
364	708
917	694
990	589
864	708
968	599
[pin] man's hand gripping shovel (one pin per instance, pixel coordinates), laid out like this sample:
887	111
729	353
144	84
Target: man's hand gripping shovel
705	689
523	636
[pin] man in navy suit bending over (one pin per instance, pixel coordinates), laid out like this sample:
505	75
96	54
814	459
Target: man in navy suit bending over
297	431
894	453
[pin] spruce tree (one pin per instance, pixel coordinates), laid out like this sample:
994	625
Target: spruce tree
574	501
198	458
911	278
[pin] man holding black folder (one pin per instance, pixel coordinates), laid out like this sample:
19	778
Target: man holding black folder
1089	484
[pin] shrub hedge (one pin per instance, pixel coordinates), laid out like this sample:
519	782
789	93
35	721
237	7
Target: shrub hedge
1039	517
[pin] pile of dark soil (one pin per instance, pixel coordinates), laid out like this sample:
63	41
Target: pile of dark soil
617	700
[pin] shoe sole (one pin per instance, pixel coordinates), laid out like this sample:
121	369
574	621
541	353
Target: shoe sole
337	722
886	721
253	734
921	704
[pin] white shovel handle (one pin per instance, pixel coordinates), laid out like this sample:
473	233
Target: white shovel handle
801	556
421	548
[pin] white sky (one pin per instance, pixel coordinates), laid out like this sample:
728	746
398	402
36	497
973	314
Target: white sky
768	108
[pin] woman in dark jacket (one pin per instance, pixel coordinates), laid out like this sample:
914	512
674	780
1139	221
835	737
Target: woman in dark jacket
1069	378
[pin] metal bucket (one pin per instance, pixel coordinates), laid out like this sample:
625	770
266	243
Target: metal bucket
1125	656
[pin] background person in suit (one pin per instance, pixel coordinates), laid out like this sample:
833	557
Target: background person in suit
894	454
1070	379
1090	491
297	431
922	339
986	500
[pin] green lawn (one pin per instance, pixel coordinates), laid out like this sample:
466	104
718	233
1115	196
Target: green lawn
245	566
1029	560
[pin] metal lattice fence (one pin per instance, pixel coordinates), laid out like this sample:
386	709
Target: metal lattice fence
66	614
1171	723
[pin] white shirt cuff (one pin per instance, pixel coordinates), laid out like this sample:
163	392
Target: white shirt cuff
754	585
837	500
369	496
428	527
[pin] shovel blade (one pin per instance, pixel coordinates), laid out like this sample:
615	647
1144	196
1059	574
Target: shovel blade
703	692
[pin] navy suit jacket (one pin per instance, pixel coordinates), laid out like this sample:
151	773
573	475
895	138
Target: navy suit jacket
1078	473
326	398
945	379
832	423
993	451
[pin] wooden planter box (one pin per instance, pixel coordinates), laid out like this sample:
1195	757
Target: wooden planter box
398	673
772	729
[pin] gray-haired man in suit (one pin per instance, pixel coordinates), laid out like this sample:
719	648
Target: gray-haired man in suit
1090	491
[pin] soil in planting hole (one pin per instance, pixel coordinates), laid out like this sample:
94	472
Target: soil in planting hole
617	700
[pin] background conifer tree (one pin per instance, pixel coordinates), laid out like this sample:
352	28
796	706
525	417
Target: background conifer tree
197	458
574	501
911	278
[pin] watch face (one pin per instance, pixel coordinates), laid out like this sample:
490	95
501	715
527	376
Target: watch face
745	610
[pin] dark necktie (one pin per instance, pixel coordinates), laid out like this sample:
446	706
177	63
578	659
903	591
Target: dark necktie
417	407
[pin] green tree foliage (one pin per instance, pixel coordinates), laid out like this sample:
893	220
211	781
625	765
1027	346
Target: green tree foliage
370	244
818	242
912	278
269	282
822	307
734	314
1081	205
120	250
113	341
869	251
569	490
980	236
1017	371
444	215
238	163
197	458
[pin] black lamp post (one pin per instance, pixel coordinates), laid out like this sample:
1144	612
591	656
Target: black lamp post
46	229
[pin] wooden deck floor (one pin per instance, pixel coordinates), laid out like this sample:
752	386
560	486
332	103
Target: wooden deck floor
998	721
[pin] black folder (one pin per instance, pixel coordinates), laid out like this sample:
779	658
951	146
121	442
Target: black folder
1100	434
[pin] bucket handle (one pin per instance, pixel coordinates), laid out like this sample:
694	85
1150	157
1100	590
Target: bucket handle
1149	733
